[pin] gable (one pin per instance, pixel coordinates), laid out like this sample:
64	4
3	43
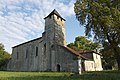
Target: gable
88	54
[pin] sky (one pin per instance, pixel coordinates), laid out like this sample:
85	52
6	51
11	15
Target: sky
22	20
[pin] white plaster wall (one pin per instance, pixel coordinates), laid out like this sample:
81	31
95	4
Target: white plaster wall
79	66
97	61
89	65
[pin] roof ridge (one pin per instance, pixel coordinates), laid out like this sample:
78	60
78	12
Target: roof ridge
54	12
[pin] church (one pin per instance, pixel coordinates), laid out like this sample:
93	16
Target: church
47	53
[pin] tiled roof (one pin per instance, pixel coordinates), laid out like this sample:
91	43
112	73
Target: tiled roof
73	51
88	51
56	13
27	42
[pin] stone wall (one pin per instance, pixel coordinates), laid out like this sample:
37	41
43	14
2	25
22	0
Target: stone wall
26	57
55	30
66	59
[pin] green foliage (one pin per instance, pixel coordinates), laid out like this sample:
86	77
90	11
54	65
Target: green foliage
1	46
101	75
3	55
82	43
108	60
102	17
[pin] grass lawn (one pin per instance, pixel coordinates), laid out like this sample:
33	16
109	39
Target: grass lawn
102	75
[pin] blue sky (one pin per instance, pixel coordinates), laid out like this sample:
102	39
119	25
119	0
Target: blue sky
73	28
22	20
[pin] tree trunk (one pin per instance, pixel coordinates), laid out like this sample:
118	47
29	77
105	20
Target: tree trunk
117	56
118	61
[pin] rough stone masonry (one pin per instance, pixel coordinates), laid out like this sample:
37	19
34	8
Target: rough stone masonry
47	53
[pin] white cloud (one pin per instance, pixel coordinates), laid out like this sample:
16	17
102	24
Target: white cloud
22	20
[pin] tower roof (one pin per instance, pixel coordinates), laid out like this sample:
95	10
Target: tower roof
54	12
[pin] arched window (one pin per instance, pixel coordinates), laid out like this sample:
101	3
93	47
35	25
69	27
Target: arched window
26	53
45	48
36	51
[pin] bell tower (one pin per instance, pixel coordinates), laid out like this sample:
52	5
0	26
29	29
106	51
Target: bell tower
54	28
54	35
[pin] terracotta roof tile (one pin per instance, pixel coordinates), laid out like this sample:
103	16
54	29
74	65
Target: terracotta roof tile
73	51
88	51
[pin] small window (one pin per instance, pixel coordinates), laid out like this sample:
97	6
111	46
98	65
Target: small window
96	57
17	55
50	17
57	17
26	53
36	51
61	19
44	48
52	46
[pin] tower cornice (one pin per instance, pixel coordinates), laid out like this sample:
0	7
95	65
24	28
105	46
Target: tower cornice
56	13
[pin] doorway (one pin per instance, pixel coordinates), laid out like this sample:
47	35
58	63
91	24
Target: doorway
58	68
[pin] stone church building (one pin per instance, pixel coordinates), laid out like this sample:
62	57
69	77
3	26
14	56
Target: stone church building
47	53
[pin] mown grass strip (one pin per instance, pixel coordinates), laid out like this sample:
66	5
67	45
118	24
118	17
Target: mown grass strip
102	75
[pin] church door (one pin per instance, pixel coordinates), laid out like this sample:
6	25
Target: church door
58	68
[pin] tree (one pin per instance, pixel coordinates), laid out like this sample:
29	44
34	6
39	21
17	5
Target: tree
82	43
4	56
1	46
102	17
108	60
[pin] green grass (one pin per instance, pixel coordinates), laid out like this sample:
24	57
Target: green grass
103	75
